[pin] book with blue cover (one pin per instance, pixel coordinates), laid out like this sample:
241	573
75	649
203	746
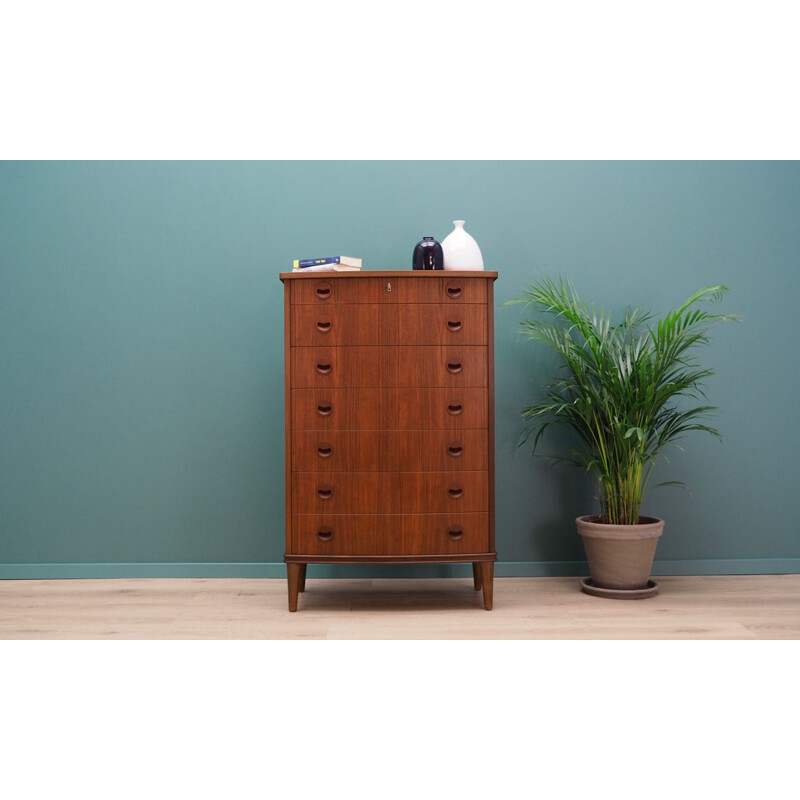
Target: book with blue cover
344	261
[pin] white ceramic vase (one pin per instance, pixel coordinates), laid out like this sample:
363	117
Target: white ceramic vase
460	250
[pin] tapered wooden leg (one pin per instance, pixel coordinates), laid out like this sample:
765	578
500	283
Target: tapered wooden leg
476	575
293	572
302	583
487	583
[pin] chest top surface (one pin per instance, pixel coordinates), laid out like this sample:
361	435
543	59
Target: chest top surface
396	273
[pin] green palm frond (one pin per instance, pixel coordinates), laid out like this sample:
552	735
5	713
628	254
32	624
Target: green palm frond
623	389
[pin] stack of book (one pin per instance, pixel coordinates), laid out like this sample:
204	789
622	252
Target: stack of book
334	263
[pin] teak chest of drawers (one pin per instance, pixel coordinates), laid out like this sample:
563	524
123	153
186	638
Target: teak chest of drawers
389	420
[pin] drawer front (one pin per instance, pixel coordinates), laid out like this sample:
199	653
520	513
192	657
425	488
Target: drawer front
389	492
332	325
390	534
456	324
410	290
430	492
433	451
337	409
432	290
335	451
464	290
335	492
425	366
331	290
433	365
428	409
337	366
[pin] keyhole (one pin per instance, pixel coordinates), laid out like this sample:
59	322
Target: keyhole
388	287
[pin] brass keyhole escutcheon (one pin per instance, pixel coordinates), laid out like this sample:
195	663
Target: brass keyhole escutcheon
389	287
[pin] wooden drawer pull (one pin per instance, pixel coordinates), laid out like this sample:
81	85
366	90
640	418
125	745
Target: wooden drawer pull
453	325
325	492
323	369
455	533
324	291
325	450
324	409
325	534
455	493
453	290
455	450
454	409
454	367
323	327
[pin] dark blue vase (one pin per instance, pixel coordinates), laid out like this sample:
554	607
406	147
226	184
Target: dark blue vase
428	254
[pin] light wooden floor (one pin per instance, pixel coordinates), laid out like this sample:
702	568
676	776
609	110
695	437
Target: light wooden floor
716	607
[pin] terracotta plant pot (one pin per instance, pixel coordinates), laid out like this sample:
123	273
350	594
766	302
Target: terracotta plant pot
620	556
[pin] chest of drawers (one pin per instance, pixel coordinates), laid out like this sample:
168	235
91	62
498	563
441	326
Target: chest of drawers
389	421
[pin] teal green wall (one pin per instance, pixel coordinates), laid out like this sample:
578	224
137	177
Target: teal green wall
141	320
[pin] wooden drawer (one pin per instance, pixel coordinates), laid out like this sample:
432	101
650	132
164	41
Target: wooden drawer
428	492
432	290
389	534
337	409
463	290
334	289
433	451
331	325
335	492
330	290
388	409
389	451
434	365
337	366
390	324
426	366
389	492
428	409
335	451
457	324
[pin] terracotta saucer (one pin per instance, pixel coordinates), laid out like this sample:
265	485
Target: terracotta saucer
619	594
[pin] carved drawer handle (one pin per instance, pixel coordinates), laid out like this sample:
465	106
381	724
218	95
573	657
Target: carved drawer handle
455	493
453	290
325	534
324	409
325	450
455	450
454	367
453	325
455	533
323	327
323	369
324	291
325	492
454	408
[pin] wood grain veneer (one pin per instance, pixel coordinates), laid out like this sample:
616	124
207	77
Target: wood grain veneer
389	492
389	366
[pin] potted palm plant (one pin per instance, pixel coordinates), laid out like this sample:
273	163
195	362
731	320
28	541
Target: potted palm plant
627	391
